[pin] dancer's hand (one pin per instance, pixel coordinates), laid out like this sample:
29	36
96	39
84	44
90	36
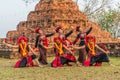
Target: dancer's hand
54	31
72	27
91	25
30	43
73	53
51	44
107	52
50	47
36	53
3	42
36	49
31	29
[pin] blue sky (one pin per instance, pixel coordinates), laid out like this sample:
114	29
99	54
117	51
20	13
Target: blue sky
12	12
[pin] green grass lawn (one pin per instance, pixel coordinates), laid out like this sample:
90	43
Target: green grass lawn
105	72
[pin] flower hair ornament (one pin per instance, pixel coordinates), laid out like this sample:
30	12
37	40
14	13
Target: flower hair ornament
58	28
78	28
37	29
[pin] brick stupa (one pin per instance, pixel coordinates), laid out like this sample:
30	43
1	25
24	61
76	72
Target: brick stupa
65	13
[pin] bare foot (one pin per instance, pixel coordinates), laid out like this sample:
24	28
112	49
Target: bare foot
78	64
112	65
40	66
69	64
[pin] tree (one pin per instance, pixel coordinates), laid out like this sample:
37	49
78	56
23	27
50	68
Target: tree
110	21
29	1
116	23
91	7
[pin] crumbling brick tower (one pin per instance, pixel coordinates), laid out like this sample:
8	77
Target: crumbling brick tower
65	13
57	12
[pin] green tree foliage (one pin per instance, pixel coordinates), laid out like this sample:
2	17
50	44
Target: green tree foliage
110	21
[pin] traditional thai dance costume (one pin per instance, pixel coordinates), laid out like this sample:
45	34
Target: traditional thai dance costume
95	59
81	36
61	58
25	58
41	40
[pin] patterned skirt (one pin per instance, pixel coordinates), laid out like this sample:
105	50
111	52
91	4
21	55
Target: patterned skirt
43	56
99	58
25	62
63	59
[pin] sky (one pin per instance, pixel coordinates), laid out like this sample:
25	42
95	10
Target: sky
12	12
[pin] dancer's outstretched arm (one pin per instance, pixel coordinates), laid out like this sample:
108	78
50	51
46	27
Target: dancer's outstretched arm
36	42
36	59
67	49
31	29
51	34
101	49
50	47
76	39
69	33
90	29
9	45
106	53
47	48
77	47
31	49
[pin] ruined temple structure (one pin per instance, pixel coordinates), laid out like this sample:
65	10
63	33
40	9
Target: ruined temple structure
51	13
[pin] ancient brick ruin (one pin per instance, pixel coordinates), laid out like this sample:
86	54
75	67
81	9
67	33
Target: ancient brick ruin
52	13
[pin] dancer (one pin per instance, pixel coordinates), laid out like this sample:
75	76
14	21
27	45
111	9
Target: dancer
94	57
62	57
25	57
71	47
81	36
63	36
42	44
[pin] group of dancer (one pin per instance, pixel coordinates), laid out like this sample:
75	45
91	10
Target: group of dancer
64	49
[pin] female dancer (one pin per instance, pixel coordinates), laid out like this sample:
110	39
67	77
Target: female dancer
25	57
63	36
62	58
81	35
42	44
94	57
